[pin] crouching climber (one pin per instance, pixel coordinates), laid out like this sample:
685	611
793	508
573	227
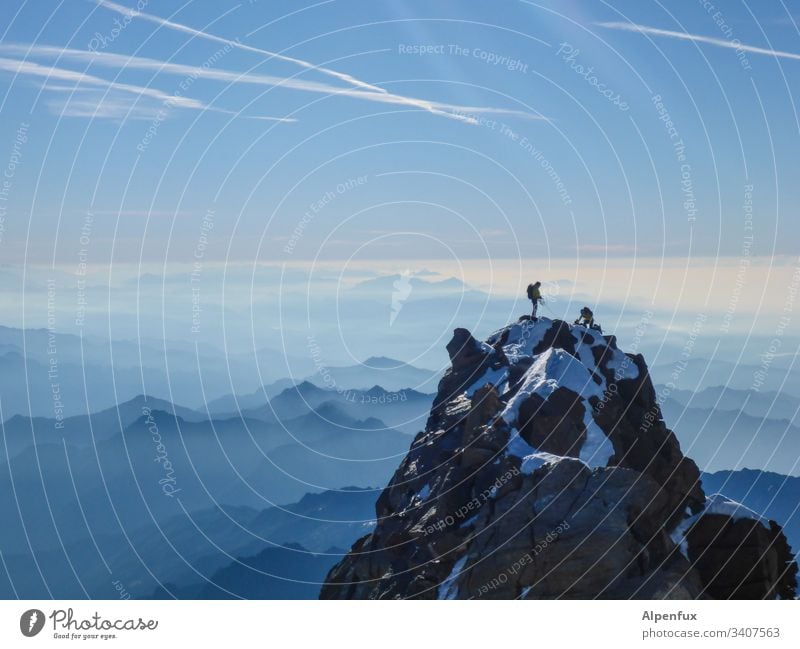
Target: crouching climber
586	319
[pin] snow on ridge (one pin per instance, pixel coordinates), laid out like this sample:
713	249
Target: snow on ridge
617	361
519	447
523	338
584	351
550	370
536	381
678	535
497	378
715	504
537	460
597	449
622	366
720	504
531	458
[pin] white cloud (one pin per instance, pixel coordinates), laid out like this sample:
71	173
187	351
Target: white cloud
125	62
96	107
685	36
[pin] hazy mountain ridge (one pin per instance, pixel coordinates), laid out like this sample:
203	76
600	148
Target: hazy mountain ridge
733	439
180	549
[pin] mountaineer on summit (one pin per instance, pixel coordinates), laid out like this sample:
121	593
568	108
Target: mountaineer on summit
586	319
535	296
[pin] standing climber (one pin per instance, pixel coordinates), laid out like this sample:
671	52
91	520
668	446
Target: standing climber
586	319
535	296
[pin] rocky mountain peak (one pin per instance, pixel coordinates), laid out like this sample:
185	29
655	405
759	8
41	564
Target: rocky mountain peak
546	470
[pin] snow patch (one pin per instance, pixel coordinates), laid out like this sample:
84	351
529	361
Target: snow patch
497	378
597	449
719	504
531	458
523	338
537	460
678	535
518	447
584	352
552	369
460	404
622	366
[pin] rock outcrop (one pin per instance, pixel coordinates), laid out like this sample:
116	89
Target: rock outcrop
546	470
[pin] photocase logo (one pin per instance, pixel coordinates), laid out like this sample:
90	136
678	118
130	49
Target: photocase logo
401	290
550	290
31	622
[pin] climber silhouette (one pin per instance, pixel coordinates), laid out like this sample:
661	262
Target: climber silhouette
535	296
586	319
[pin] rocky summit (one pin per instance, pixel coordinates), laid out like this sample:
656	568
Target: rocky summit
546	470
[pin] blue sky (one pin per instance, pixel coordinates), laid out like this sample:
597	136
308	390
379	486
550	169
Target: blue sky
462	189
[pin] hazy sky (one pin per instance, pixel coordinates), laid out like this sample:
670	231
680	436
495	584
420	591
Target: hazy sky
474	130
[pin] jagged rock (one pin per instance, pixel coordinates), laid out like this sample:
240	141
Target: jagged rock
546	470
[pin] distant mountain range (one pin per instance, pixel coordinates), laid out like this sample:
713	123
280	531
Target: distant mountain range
46	374
390	374
404	410
22	431
701	373
178	556
733	439
230	403
273	573
771	404
28	384
54	490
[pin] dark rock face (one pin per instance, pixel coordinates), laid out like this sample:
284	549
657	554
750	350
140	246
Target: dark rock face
546	470
740	558
641	439
555	424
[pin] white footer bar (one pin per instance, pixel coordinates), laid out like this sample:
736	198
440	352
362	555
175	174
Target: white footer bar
386	625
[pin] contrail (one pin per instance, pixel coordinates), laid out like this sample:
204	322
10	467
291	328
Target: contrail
29	68
49	72
125	11
684	36
125	62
